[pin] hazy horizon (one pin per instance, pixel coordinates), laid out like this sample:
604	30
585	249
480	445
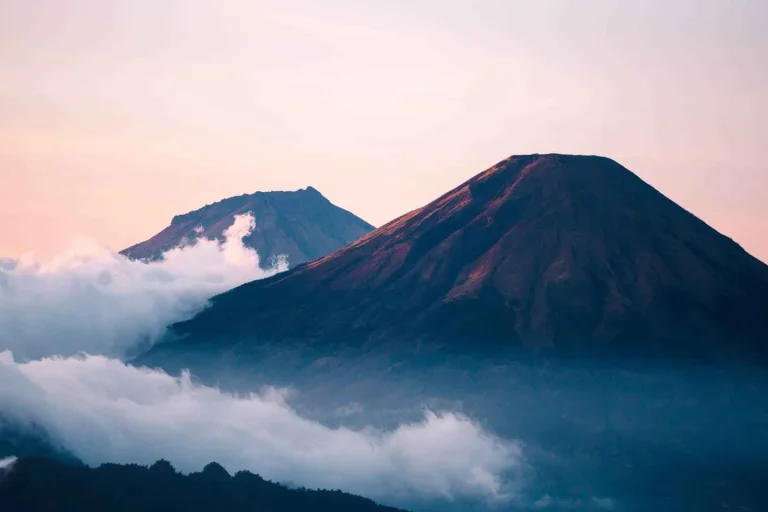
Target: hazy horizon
115	116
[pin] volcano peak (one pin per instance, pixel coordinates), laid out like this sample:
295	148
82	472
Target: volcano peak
548	252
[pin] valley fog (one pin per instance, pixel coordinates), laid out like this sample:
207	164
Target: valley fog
65	391
433	430
594	435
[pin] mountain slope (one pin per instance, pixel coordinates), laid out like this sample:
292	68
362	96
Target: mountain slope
574	254
303	225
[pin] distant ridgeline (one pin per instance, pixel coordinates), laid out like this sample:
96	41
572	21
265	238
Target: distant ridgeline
302	225
554	254
45	485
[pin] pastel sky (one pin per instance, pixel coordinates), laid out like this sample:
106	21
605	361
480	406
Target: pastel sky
117	114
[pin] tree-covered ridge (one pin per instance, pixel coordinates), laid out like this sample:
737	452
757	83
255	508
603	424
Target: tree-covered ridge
45	485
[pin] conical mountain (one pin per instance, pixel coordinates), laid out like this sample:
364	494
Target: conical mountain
570	254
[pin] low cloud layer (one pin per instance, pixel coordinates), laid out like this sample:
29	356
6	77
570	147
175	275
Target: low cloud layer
103	410
93	300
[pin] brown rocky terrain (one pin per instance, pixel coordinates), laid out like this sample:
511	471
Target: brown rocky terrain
302	225
569	254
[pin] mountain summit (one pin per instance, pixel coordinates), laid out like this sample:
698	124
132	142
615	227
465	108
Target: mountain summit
570	254
302	225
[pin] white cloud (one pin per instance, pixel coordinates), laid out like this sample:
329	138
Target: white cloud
103	410
93	300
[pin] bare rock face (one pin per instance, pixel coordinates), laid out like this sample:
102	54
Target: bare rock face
568	254
302	225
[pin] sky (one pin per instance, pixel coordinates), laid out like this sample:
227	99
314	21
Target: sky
116	115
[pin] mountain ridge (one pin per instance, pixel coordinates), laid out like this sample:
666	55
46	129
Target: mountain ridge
564	253
301	225
49	485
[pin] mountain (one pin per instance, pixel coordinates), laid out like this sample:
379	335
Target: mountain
561	254
48	486
303	225
27	439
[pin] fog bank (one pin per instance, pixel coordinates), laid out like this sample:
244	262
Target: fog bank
91	299
103	410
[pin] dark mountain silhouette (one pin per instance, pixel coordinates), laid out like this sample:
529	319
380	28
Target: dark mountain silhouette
45	485
553	253
303	225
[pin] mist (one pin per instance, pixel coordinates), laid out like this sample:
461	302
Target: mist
90	299
594	435
426	432
102	410
71	322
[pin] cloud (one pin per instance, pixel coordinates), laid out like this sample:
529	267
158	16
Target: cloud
102	410
7	462
93	300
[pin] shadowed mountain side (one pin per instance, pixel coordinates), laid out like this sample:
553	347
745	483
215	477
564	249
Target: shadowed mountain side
302	225
24	439
48	486
558	253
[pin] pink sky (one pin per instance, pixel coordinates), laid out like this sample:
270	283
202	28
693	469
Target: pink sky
116	115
